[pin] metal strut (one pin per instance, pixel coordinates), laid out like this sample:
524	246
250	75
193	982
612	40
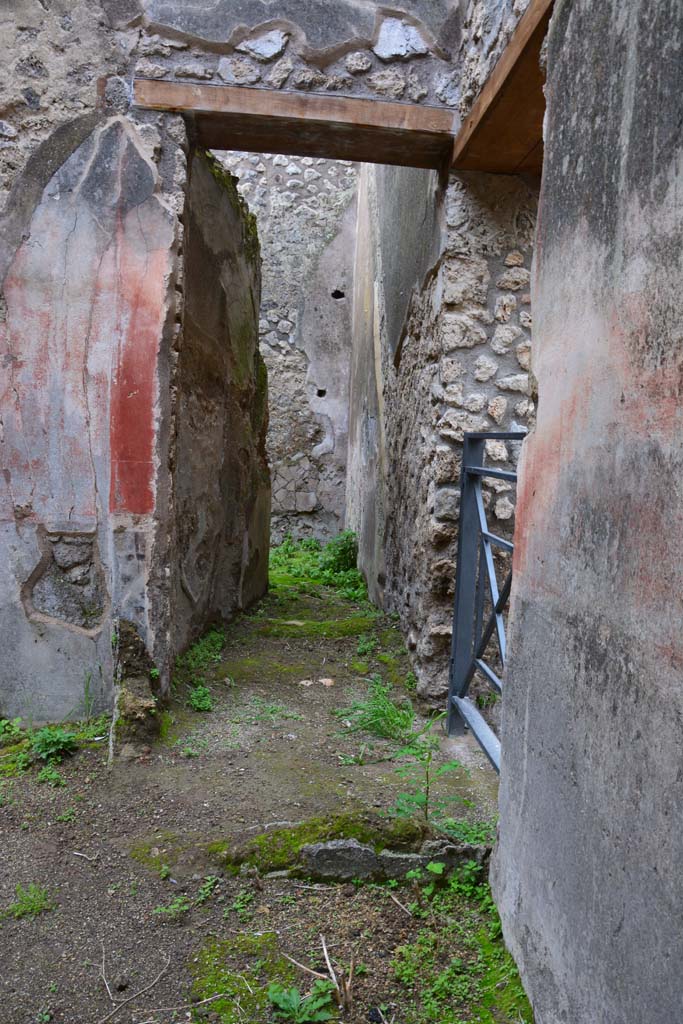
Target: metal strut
475	575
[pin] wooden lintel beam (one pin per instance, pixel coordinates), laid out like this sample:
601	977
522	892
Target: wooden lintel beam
503	131
235	117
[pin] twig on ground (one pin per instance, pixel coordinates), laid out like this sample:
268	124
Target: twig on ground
346	985
333	976
85	856
191	1006
308	970
398	903
136	995
103	973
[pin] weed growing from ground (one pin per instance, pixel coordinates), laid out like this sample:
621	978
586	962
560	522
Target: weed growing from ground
474	833
206	889
10	731
480	982
200	699
379	715
419	769
176	908
49	775
205	652
30	902
242	904
367	644
180	905
260	710
290	1005
308	562
53	744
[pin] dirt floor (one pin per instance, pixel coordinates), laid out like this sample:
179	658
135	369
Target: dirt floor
161	882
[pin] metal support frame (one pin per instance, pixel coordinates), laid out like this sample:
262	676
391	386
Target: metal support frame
475	574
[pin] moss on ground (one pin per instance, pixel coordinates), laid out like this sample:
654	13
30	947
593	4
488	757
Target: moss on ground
278	849
162	849
240	968
13	759
327	629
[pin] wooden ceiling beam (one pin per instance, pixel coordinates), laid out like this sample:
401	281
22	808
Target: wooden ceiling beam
503	132
337	127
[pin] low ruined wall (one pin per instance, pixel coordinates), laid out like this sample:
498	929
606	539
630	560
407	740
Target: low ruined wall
221	480
306	218
588	868
457	362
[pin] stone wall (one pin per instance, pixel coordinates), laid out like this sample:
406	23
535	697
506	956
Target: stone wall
588	867
88	307
457	363
222	487
429	51
90	326
306	216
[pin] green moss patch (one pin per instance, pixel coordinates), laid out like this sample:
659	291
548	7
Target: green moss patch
14	759
327	629
163	848
240	968
279	849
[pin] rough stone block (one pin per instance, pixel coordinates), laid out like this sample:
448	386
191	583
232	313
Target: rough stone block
238	71
514	279
389	83
340	860
357	63
265	47
399	40
515	382
484	369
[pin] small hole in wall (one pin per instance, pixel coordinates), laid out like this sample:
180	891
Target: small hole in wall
337	294
321	392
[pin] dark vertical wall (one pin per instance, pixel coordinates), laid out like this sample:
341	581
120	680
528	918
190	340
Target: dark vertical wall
589	865
222	487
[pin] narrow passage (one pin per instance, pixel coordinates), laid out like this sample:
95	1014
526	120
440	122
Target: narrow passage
295	806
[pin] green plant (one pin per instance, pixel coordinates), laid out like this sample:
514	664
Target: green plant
340	554
334	565
30	902
154	674
68	815
367	644
290	1005
164	872
10	731
43	1016
349	759
474	833
422	772
200	699
456	968
205	652
261	710
379	715
53	743
487	700
49	774
242	904
411	682
175	909
206	889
